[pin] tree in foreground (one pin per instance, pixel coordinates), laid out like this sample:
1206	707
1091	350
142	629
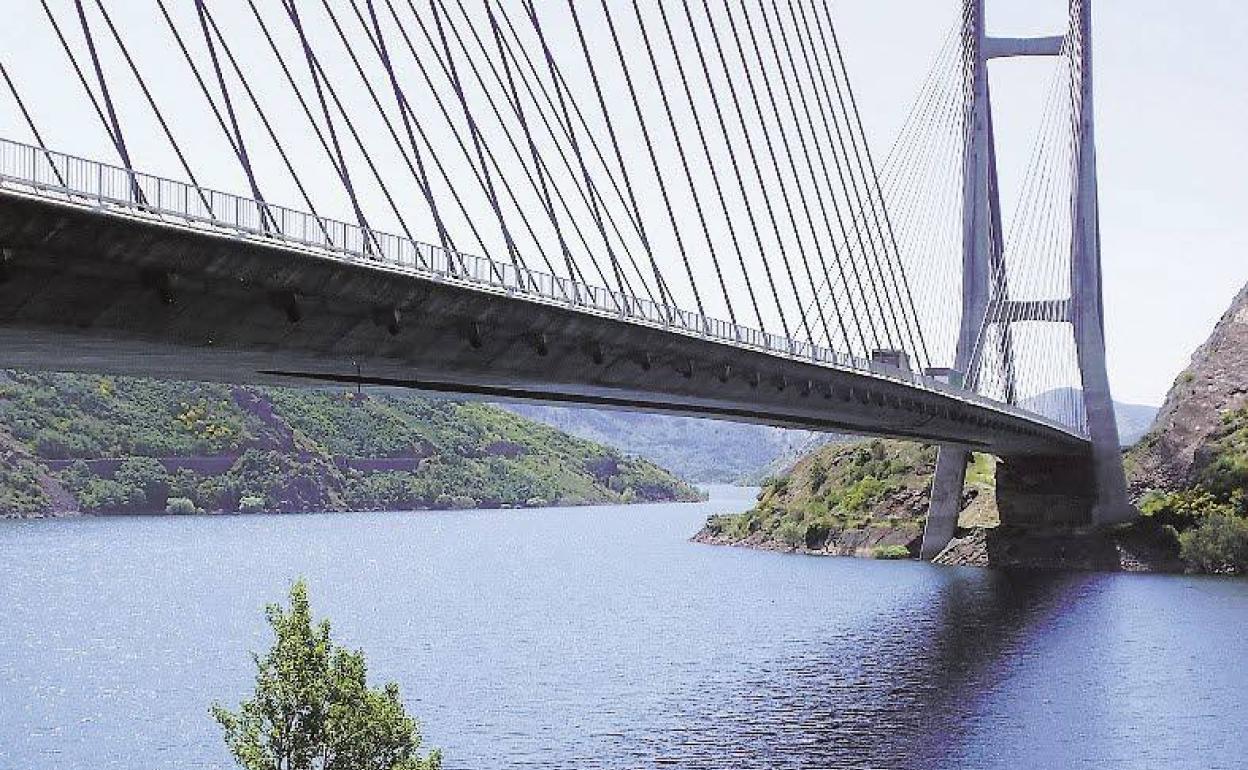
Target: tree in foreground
313	708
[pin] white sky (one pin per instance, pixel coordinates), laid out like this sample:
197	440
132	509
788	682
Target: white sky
1172	105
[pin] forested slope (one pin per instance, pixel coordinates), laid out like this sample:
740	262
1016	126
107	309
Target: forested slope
71	442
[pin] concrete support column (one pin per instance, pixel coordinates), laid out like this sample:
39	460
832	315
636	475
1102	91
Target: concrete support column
946	500
1043	492
1088	312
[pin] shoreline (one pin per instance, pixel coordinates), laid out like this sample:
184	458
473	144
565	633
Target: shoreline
328	511
853	543
1134	548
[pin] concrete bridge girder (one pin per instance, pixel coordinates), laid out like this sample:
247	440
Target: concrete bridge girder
89	290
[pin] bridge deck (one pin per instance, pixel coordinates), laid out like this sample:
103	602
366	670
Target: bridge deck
95	281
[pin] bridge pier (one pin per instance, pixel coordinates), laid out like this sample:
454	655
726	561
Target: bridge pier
1044	493
1047	491
946	500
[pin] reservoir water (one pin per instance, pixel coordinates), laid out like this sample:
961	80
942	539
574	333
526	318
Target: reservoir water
601	638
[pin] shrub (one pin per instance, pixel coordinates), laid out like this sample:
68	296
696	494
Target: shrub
1217	544
183	483
219	493
57	445
20	490
1181	510
863	493
382	491
147	474
791	533
735	526
251	504
180	505
818	474
100	495
890	552
1225	471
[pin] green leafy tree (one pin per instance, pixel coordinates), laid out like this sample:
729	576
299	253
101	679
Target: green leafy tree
180	505
147	475
1182	509
313	708
890	552
792	532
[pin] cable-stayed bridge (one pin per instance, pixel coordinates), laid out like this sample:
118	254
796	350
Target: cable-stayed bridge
666	205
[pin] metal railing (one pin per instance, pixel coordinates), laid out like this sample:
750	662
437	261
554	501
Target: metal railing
104	186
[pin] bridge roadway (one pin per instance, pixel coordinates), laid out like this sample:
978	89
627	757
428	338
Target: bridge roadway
92	281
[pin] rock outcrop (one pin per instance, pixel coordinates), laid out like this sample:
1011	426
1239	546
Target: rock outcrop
1177	448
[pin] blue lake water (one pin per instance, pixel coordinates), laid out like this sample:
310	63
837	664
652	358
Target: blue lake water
601	638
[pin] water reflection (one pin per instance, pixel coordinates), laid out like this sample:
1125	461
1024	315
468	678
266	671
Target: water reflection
895	692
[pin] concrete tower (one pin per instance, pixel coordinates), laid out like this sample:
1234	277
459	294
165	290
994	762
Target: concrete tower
983	283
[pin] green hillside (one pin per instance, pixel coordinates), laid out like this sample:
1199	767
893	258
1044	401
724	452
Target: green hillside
866	498
97	444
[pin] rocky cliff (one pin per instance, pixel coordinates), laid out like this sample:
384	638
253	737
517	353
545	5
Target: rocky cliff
1201	412
1190	473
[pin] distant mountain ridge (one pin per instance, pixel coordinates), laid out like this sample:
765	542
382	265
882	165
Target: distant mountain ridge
1133	419
717	451
698	449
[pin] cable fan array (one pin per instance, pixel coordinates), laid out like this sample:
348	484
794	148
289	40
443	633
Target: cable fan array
706	155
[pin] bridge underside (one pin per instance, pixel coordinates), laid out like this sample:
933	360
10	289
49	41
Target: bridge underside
81	290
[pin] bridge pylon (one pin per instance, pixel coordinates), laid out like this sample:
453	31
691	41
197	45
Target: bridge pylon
1030	489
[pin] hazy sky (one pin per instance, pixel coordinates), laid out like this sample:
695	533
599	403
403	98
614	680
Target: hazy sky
1171	101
